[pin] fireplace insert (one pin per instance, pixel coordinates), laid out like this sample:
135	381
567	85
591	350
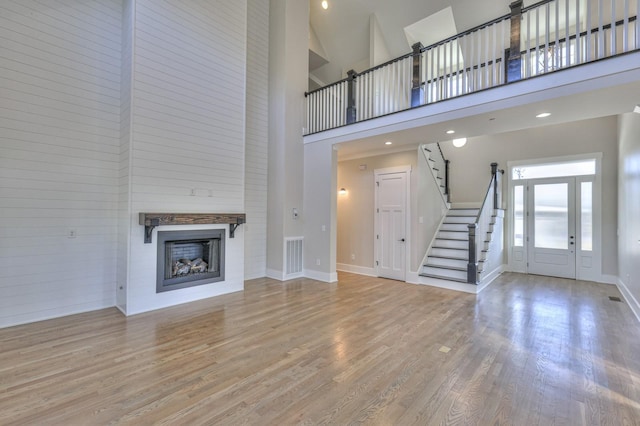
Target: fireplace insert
189	258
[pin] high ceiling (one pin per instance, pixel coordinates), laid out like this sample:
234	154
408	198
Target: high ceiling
343	29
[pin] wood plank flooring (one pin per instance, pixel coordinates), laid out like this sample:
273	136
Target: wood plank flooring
527	351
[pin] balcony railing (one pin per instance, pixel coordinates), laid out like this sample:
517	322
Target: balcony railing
545	37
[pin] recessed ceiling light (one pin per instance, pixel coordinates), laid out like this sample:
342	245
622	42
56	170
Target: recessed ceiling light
543	115
458	143
450	132
325	4
388	143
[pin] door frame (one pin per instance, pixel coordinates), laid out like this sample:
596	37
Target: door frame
572	225
594	257
407	211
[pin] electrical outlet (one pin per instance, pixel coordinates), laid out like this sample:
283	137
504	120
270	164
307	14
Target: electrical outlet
353	256
324	228
72	233
317	262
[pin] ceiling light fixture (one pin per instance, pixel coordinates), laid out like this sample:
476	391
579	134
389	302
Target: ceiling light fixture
543	115
325	4
388	143
450	132
459	143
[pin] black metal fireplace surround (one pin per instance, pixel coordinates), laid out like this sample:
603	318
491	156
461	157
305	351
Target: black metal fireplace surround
189	258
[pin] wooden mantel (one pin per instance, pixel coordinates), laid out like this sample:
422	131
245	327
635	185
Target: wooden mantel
151	220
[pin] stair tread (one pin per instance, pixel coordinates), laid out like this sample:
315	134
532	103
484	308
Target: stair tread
450	248
452	239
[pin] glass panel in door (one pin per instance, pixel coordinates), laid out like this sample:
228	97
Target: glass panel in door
552	223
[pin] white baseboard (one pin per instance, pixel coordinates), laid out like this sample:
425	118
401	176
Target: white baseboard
321	276
608	279
491	276
413	277
354	269
631	301
275	275
449	285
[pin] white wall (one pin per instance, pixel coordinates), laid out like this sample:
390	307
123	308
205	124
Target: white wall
59	157
320	168
355	210
288	74
629	209
188	129
257	139
471	171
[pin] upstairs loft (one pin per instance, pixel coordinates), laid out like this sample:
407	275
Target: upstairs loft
581	56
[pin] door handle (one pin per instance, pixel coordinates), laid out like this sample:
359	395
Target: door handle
402	240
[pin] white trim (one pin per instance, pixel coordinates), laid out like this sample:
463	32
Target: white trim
490	277
321	276
391	170
275	275
413	277
608	279
628	297
449	285
597	210
355	269
406	169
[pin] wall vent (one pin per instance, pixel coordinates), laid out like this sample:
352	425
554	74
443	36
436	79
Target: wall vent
293	260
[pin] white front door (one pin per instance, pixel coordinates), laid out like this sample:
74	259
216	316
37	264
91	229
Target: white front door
391	232
552	227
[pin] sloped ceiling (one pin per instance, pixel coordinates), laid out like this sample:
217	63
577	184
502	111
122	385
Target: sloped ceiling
343	29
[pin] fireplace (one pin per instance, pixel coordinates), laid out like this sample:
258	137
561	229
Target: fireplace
189	258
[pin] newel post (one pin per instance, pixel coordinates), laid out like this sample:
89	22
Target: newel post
514	58
416	91
472	266
351	96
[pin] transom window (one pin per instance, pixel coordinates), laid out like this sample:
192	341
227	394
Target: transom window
538	171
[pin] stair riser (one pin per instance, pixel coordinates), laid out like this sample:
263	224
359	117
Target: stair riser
459	254
463	212
445	273
451	243
460	219
439	261
453	235
454	227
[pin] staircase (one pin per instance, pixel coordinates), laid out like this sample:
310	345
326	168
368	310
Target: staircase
449	254
438	166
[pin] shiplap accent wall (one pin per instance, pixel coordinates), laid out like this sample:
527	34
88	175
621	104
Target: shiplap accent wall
257	139
59	156
188	130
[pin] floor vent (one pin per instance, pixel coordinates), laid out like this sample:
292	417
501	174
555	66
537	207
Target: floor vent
615	299
293	261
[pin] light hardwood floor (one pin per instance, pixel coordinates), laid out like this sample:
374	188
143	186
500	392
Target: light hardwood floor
528	350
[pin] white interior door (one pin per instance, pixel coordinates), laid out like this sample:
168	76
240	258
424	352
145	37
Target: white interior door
391	235
552	227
